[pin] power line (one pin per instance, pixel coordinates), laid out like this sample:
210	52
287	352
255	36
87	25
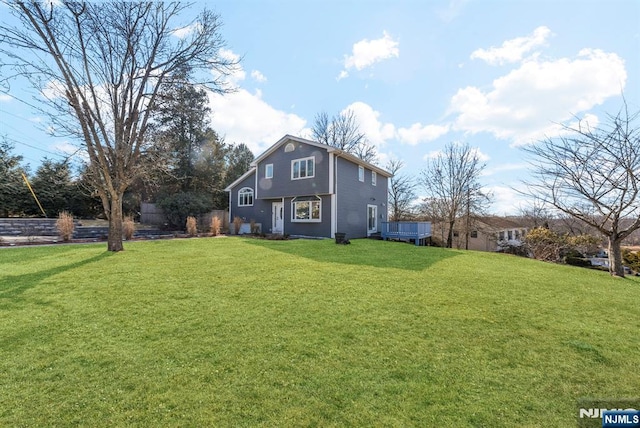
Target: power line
11	139
14	115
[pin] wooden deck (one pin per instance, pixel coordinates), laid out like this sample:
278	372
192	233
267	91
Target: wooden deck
417	231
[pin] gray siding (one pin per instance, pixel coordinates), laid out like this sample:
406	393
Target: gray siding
353	196
281	185
260	211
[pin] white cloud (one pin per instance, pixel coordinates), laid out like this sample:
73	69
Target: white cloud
258	76
5	97
527	103
72	150
520	166
184	32
366	52
507	200
453	9
434	154
244	117
513	50
53	89
418	133
368	120
237	74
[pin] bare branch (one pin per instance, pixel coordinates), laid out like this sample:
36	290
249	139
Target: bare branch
100	67
593	175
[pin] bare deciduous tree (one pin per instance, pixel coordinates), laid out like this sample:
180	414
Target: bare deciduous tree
535	215
100	66
593	174
342	132
401	192
451	183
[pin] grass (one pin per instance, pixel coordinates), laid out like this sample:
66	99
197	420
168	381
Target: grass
242	332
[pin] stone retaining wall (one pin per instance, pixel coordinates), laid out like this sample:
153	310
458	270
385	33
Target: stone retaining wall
47	227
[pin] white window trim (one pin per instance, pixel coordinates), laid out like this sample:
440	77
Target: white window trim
374	178
310	220
266	170
293	162
245	190
360	173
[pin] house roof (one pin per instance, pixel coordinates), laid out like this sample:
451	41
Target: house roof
329	149
242	177
501	222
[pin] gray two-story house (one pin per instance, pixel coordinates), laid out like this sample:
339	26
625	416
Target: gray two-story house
301	187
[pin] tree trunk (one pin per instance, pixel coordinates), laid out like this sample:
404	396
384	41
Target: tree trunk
616	267
450	235
114	240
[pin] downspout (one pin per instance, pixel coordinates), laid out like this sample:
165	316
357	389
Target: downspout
334	195
230	205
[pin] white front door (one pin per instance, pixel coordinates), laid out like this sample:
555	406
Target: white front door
372	219
277	217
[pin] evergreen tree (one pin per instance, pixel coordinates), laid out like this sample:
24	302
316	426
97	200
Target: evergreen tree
13	190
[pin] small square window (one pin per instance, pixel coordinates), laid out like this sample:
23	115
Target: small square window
361	173
474	233
268	170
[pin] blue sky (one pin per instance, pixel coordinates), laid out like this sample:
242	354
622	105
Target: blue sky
417	74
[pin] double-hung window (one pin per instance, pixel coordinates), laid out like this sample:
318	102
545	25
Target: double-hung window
361	173
306	209
245	197
374	178
302	168
268	170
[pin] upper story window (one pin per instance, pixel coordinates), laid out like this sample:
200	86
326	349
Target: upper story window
268	170
302	168
361	173
245	197
374	178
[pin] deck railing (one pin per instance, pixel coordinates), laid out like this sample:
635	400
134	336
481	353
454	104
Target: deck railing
415	230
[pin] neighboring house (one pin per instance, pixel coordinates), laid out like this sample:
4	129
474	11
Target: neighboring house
301	187
490	233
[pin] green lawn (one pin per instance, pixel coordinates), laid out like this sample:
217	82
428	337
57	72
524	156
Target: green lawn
243	332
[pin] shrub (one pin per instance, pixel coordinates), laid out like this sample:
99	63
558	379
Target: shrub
544	244
216	225
192	226
584	244
577	261
237	223
255	229
65	225
631	259
128	227
179	206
